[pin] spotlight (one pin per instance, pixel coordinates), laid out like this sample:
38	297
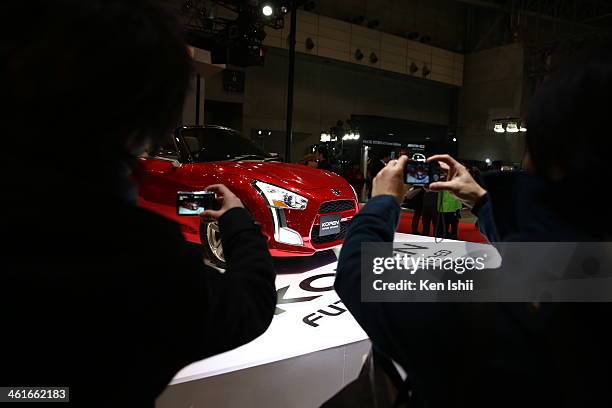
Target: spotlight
425	39
499	128
325	137
267	10
488	161
413	68
309	43
259	132
373	58
523	129
511	127
454	139
358	54
356	136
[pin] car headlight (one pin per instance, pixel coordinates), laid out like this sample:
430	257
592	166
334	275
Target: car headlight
354	193
278	197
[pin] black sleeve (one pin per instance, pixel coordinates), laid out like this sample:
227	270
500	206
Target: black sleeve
227	309
486	222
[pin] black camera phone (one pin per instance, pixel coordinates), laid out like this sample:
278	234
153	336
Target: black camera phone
195	202
420	173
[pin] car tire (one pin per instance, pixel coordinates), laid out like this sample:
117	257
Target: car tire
211	244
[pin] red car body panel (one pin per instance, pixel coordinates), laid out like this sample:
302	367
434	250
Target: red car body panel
160	180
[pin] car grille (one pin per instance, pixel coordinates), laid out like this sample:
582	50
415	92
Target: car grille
336	206
316	239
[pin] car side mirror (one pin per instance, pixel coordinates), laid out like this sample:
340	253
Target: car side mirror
156	166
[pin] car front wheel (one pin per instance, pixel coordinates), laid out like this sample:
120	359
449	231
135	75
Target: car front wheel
211	243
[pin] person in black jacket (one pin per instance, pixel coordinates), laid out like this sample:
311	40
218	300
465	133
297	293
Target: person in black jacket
97	294
505	354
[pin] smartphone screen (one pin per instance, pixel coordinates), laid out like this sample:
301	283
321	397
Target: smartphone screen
417	173
194	202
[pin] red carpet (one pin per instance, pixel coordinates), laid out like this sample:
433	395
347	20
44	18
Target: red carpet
467	231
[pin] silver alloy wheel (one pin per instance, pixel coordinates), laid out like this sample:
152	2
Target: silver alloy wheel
214	240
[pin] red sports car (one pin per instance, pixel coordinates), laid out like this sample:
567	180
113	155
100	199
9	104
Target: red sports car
302	210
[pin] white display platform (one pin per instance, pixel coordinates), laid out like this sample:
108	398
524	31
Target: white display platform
311	319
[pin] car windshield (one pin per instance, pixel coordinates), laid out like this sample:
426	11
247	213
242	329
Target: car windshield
214	144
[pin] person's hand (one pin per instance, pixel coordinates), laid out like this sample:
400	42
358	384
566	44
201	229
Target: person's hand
225	198
459	182
390	180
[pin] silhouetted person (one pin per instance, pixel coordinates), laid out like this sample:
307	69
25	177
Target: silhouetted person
323	159
97	294
506	354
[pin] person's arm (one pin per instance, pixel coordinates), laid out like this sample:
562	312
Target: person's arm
413	334
375	222
483	211
235	306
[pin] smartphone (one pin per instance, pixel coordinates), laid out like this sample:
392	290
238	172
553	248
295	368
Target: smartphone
194	202
420	173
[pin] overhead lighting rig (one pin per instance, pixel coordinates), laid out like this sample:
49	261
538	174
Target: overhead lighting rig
509	125
239	40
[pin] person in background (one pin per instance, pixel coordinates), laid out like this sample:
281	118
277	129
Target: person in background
102	296
414	200
323	159
355	178
449	209
429	214
379	161
547	354
309	160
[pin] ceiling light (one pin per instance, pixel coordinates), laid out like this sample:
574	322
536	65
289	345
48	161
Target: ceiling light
511	127
499	128
267	10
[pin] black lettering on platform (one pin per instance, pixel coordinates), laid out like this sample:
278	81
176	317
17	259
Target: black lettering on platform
311	318
280	299
306	284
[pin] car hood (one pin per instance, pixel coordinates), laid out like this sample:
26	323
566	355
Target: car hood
287	175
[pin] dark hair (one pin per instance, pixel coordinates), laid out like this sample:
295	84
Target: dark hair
567	126
86	76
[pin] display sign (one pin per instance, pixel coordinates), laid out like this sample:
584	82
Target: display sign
330	225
